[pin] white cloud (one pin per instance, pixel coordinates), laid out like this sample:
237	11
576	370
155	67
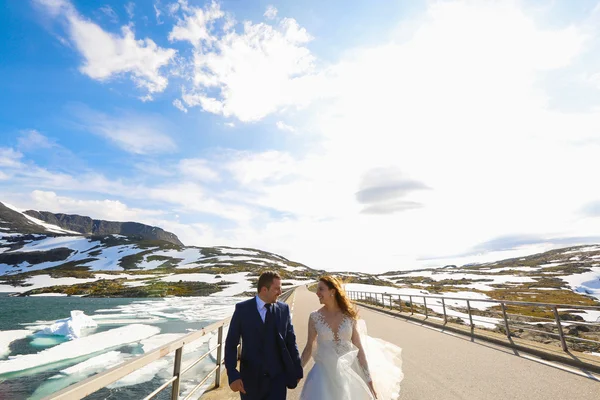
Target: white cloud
112	210
251	168
107	55
192	197
158	13
4	176
594	79
256	72
130	8
198	169
138	134
285	127
32	139
271	12
10	158
110	13
196	24
179	105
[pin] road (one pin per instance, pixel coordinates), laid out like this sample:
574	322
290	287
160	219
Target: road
442	366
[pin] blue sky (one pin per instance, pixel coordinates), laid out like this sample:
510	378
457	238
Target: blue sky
342	134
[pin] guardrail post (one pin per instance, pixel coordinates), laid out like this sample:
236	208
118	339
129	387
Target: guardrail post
444	308
219	356
176	372
399	303
425	304
470	315
412	311
505	320
560	330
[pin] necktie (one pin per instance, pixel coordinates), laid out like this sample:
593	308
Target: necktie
269	315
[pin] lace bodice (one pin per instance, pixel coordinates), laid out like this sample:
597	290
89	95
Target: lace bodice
342	337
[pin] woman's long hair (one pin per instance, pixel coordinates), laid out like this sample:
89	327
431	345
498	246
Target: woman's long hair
340	296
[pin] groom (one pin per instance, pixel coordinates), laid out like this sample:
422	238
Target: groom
270	362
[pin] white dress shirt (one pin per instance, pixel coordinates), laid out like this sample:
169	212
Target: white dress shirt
262	309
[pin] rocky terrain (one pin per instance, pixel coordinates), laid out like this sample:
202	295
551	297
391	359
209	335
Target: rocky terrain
84	257
79	256
95	227
568	276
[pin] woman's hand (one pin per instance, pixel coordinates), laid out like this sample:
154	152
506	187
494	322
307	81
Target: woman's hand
372	389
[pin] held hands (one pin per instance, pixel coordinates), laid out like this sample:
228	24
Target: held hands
238	386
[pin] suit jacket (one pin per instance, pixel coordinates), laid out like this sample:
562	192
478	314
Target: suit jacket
247	324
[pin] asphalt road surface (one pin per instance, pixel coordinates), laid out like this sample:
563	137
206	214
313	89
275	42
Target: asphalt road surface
441	366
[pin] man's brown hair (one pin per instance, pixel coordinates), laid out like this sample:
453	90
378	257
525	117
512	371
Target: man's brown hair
266	279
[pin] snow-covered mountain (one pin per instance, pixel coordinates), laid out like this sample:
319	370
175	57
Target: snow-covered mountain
568	274
37	257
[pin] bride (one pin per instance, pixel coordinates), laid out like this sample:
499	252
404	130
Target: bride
349	365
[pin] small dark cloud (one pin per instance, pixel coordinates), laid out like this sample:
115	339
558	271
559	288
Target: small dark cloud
383	190
390	208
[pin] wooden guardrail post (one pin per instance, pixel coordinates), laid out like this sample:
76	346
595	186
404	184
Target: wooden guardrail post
470	315
560	330
505	320
219	357
177	374
444	308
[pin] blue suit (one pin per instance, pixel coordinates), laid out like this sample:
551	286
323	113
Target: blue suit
270	362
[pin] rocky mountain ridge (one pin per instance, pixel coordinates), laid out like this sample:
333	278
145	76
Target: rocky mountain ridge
96	227
37	257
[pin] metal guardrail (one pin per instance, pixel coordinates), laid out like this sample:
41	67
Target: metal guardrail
94	383
394	301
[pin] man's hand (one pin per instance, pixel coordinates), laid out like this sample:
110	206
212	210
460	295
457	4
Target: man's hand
237	386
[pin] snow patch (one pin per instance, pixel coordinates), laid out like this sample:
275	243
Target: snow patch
228	250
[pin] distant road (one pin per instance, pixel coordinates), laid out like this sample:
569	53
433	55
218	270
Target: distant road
440	366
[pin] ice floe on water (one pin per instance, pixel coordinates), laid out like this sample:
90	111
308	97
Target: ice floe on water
7	337
132	335
79	372
79	347
71	327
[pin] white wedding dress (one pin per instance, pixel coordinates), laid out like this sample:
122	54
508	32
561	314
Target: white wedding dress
346	359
